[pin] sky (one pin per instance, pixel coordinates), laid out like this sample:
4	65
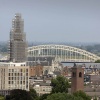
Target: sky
53	20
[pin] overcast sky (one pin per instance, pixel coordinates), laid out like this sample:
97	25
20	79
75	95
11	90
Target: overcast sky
53	20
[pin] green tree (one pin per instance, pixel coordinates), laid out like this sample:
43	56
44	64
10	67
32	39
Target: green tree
18	94
62	96
7	97
82	94
44	97
2	97
33	94
97	61
59	84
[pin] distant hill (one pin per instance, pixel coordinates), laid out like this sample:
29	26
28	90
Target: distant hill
3	47
92	48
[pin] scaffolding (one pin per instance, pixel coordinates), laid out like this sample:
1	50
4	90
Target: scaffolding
18	45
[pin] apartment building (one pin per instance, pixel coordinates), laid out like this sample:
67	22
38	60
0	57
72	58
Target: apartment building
42	88
14	76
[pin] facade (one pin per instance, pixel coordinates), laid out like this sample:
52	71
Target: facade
44	61
4	92
14	76
17	45
36	70
77	81
43	88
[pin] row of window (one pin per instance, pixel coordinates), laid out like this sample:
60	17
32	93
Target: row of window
18	74
46	89
18	78
17	82
18	70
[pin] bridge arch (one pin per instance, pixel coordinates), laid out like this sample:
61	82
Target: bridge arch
62	53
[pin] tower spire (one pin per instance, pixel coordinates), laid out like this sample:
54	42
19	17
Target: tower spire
17	40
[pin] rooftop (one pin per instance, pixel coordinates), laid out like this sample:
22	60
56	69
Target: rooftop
12	64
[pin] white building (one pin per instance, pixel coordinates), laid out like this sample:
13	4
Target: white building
14	76
43	88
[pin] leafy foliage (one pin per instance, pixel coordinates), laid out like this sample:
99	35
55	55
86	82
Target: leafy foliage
2	97
97	61
60	84
18	94
63	96
43	97
33	94
82	94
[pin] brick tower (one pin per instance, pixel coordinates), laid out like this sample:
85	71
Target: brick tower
77	78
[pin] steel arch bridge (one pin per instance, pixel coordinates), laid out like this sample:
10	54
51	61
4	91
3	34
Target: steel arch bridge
62	53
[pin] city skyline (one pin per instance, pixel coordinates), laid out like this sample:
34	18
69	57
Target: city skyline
53	20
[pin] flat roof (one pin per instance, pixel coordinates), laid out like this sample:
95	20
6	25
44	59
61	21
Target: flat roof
12	64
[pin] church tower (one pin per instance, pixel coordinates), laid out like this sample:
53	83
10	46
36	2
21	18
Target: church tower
77	78
18	46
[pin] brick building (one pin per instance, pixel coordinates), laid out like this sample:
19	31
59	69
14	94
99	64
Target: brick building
36	70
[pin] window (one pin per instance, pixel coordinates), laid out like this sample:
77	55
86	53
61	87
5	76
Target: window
73	74
80	74
20	82
9	74
12	70
9	82
9	70
21	70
